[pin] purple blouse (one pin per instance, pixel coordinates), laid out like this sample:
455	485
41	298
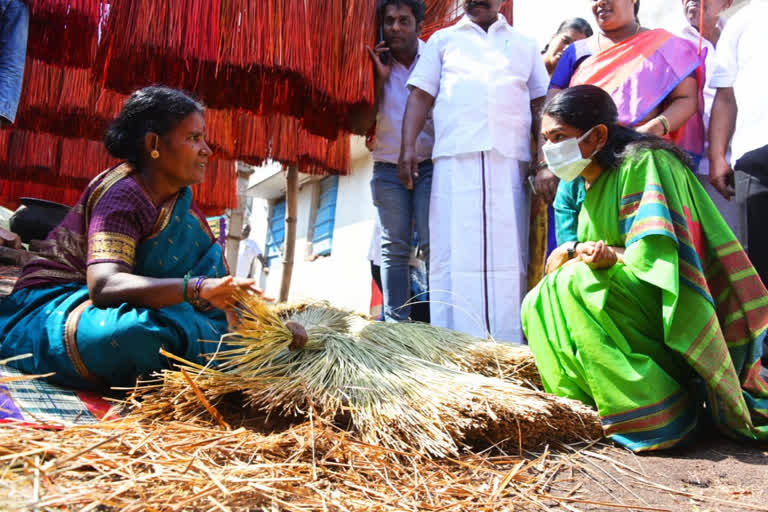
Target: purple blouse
106	225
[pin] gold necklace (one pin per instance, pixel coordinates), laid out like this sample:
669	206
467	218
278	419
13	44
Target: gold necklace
600	46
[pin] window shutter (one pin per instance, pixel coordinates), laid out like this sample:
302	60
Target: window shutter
276	232
322	239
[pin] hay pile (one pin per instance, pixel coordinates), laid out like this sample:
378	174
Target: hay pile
406	387
132	466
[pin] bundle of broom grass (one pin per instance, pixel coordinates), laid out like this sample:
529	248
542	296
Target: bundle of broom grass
409	387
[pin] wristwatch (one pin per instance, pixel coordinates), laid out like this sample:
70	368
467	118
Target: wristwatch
572	250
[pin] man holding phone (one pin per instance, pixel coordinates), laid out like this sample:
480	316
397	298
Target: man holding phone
402	202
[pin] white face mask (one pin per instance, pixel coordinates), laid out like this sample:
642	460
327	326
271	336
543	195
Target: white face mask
564	158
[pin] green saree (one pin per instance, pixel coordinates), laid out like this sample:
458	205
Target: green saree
671	334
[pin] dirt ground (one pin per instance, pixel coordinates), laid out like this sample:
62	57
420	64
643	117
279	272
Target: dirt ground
715	474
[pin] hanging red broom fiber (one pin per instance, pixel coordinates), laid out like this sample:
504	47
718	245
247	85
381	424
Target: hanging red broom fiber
507	9
32	149
82	158
12	190
253	138
220	128
64	32
59	100
167	40
440	14
335	158
5	136
109	103
219	190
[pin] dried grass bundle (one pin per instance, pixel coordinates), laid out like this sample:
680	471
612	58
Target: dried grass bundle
401	386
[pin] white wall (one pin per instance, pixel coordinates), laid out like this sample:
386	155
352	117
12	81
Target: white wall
344	277
540	18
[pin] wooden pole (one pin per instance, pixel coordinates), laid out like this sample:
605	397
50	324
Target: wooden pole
291	204
237	216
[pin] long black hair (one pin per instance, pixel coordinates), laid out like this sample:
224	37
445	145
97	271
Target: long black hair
577	24
586	106
155	109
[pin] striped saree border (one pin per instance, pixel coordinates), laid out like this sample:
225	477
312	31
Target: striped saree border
70	342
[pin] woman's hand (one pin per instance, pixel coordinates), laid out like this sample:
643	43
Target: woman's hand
557	259
652	127
220	292
597	254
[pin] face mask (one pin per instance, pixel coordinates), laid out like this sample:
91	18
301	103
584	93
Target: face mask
564	158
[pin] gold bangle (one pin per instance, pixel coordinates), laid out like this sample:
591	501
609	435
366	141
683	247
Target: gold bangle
664	122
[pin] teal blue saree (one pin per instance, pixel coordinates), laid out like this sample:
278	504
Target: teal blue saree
91	348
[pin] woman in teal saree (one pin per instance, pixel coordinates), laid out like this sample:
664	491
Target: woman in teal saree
134	267
656	315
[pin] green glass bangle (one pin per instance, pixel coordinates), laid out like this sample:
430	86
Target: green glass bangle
184	286
664	123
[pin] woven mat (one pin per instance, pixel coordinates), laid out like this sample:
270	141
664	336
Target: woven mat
36	402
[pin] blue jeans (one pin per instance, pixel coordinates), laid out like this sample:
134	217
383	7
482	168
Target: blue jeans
400	212
14	27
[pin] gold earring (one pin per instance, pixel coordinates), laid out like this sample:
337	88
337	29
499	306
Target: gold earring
155	154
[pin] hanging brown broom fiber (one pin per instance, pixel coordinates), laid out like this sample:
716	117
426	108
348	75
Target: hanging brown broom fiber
403	388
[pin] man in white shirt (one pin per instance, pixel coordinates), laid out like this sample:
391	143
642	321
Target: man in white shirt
400	208
487	83
712	28
739	115
249	250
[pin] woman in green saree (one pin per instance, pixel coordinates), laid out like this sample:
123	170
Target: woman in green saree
656	315
134	267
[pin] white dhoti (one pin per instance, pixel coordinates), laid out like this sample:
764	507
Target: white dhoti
478	219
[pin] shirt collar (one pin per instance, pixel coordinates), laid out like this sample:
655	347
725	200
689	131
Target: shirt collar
419	49
500	23
690	29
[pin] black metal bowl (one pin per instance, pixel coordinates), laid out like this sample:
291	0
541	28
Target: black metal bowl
35	218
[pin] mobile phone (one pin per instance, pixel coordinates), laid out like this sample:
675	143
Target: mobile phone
532	183
384	56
